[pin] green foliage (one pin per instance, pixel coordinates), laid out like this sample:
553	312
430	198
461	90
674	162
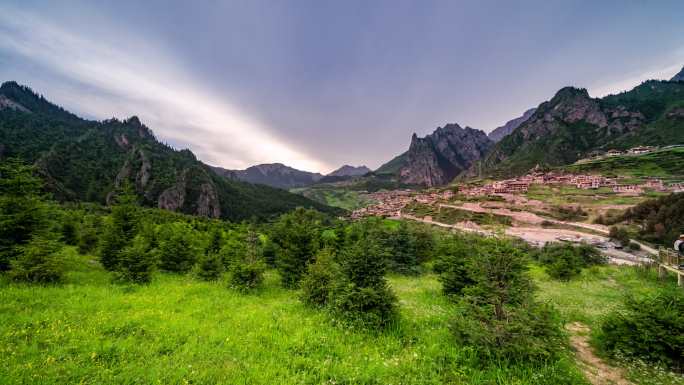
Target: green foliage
247	270
210	267
650	328
297	235
177	251
318	283
248	275
137	261
363	296
452	265
120	230
23	211
661	220
39	261
565	261
88	238
498	316
70	233
620	234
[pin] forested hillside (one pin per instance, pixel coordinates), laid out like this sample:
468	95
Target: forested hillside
572	125
83	160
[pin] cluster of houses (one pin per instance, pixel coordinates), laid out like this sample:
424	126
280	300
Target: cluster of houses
390	203
581	181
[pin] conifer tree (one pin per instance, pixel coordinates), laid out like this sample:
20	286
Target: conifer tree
121	229
23	210
177	251
137	261
297	235
40	261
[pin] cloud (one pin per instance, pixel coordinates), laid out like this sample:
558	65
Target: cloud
140	80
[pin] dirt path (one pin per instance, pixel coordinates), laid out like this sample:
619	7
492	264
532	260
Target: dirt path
596	370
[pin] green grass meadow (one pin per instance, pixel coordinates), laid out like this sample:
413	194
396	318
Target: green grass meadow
179	330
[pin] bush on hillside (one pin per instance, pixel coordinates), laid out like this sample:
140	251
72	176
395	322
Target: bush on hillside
650	328
661	220
137	261
210	267
363	296
619	234
498	317
247	276
297	235
39	261
247	270
452	265
177	251
565	261
318	283
24	213
120	230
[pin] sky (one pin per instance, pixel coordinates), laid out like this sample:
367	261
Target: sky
318	84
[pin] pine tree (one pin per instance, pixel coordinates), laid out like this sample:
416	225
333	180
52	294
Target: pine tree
320	279
210	267
247	271
363	296
137	261
39	261
297	236
177	252
23	210
120	230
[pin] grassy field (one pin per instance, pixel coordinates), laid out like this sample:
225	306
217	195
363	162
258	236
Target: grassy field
181	331
665	164
566	195
334	196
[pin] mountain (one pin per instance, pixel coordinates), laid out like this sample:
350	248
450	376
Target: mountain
83	160
679	77
394	165
272	174
573	125
347	170
500	132
439	157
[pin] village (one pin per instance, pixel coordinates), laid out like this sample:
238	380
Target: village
390	203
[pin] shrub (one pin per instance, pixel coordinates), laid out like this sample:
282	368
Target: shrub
498	317
649	328
319	281
39	261
177	251
23	211
363	296
120	230
210	267
247	270
619	234
137	261
297	235
452	257
70	233
247	276
88	240
528	332
564	261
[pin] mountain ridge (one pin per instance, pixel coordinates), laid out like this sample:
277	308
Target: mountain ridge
84	160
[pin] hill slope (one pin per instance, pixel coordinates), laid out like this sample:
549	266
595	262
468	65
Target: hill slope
273	174
572	125
87	161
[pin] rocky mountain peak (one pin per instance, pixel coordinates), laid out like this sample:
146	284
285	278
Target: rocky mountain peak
439	157
501	132
679	77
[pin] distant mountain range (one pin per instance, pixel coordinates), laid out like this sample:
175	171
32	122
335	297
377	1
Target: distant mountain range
568	127
285	177
500	132
82	160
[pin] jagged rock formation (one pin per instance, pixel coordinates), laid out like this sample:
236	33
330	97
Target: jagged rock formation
679	77
500	132
439	157
573	125
82	160
272	174
347	170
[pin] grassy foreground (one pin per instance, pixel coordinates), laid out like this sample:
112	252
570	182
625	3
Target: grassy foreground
180	331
